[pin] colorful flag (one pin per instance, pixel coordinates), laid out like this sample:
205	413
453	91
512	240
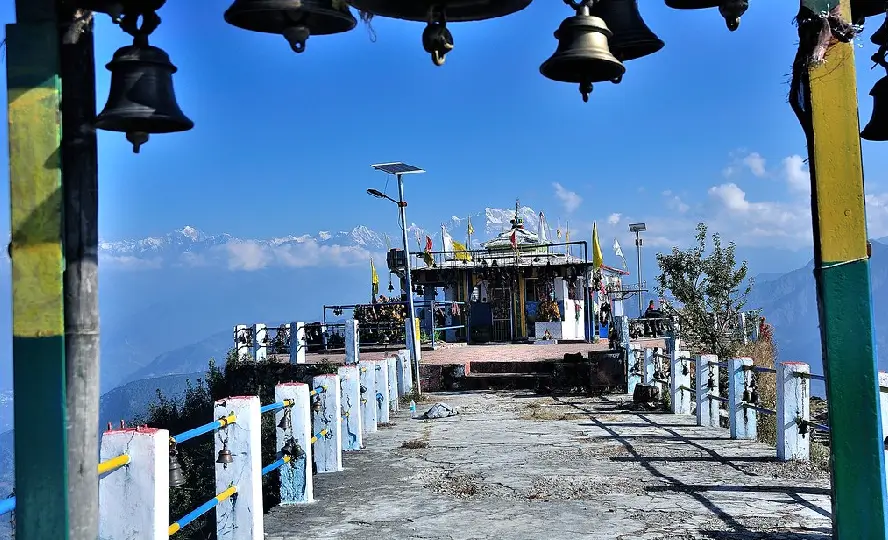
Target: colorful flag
513	239
448	242
428	246
374	279
471	229
427	253
618	250
460	252
597	257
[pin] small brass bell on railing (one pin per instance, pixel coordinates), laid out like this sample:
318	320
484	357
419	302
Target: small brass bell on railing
296	20
291	448
177	478
582	55
225	456
285	423
746	397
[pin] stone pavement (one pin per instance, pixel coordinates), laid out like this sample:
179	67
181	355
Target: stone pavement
524	467
500	352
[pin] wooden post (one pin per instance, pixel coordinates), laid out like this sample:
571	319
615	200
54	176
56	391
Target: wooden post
841	270
38	328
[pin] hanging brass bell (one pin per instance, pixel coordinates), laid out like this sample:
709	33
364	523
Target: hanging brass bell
291	448
632	37
142	100
582	55
731	10
863	9
877	128
296	20
224	456
455	10
113	8
880	36
177	478
285	422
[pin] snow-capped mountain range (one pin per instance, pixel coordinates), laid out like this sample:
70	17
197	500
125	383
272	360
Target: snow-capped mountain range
191	246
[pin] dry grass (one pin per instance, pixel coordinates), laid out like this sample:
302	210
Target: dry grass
415	444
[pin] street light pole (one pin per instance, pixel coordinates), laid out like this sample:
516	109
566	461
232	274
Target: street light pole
637	228
414	339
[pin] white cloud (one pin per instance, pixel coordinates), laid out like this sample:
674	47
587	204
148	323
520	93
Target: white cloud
251	255
569	199
674	202
614	218
128	262
796	174
756	164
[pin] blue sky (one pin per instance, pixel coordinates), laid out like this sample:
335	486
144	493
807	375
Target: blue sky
283	142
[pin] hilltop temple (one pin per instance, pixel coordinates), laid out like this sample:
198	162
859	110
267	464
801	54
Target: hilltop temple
518	287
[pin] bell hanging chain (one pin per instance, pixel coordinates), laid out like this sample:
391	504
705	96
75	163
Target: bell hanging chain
139	24
577	6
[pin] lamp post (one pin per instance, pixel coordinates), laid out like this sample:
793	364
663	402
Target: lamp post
399	169
637	228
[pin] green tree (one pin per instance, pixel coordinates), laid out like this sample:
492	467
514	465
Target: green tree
707	292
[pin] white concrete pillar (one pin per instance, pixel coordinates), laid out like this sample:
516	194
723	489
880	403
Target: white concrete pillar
405	373
368	392
134	500
260	342
741	326
793	405
327	423
240	518
707	386
381	396
755	329
633	368
680	382
352	342
297	343
648	371
392	369
243	345
296	476
743	420
350	385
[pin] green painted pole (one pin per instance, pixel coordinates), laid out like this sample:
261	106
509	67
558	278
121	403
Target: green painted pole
34	101
844	294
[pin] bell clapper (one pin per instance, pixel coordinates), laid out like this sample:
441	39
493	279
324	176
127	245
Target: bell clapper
732	10
586	89
436	38
297	36
137	138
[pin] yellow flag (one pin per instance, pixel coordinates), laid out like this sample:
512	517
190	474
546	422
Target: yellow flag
597	257
374	279
460	252
471	229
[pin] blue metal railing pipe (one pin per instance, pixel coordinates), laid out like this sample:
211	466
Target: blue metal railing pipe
276	465
7	505
176	526
277	405
206	428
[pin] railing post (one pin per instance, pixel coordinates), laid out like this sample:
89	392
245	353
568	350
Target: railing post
743	420
883	405
242	344
296	476
350	383
260	342
405	373
392	370
368	391
648	371
327	423
793	405
134	501
741	324
381	395
297	343
755	330
679	382
707	386
241	519
352	342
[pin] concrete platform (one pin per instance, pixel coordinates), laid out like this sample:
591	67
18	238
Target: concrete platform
521	467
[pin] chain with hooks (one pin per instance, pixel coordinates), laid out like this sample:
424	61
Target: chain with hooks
436	38
139	23
582	4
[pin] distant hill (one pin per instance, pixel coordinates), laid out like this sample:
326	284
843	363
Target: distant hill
790	304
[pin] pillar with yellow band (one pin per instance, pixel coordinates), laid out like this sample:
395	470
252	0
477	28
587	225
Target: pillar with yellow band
843	291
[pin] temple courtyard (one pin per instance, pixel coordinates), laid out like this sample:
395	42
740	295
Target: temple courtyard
521	466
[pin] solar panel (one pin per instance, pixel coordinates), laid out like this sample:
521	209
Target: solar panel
397	168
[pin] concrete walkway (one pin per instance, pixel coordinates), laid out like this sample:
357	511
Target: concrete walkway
522	467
